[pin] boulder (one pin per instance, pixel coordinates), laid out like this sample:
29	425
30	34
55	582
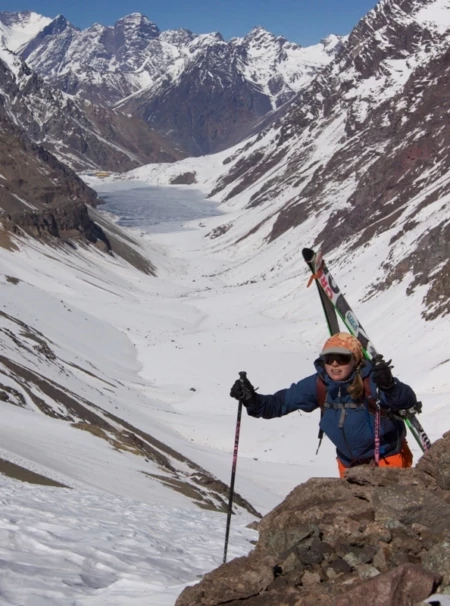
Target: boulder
380	537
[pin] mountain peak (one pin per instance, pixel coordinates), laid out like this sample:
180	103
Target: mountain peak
20	27
138	21
56	26
258	32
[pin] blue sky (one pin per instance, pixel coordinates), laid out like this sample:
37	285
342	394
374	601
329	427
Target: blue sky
301	21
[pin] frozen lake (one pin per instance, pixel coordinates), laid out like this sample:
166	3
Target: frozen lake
137	204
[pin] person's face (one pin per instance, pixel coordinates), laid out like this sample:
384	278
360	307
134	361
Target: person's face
339	366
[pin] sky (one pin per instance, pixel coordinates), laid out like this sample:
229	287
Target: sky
300	21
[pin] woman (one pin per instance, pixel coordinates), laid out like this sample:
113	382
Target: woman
346	388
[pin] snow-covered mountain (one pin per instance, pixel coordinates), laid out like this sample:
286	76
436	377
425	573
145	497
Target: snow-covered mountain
226	86
16	29
134	54
118	380
365	146
79	133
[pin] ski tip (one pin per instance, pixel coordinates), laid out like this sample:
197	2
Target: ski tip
308	254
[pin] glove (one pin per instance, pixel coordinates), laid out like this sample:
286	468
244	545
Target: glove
243	391
381	373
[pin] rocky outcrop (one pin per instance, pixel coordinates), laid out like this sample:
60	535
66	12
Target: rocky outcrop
39	195
69	221
43	198
31	177
380	537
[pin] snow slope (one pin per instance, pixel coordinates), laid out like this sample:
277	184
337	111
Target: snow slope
162	353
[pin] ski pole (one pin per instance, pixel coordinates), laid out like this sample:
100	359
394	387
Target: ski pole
242	378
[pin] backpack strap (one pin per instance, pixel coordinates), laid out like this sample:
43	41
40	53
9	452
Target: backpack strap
321	394
368	392
321	390
372	402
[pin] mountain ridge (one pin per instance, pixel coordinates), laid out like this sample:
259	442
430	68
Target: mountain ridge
134	67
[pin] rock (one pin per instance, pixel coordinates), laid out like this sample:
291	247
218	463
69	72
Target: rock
311	578
230	581
443	471
379	538
319	500
307	555
366	571
430	463
341	566
411	504
438	560
405	585
184	179
382	557
67	221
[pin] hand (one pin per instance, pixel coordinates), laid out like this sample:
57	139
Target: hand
381	373
243	391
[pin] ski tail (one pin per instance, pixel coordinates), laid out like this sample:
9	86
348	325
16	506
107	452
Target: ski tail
327	306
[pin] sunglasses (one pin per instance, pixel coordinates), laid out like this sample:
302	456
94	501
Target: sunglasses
340	359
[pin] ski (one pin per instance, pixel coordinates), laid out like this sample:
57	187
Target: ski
327	305
328	287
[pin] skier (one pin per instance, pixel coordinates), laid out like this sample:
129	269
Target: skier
345	387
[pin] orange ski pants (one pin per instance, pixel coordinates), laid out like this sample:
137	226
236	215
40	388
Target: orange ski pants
403	459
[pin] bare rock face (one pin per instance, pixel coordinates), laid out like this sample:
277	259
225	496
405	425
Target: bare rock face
406	584
380	537
69	221
218	106
232	581
40	196
32	178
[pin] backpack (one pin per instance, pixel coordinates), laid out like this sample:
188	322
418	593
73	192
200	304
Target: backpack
322	396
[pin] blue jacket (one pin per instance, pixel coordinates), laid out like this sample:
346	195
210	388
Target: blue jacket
351	429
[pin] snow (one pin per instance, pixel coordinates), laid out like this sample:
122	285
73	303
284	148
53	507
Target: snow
24	202
435	14
163	352
22	30
117	536
60	546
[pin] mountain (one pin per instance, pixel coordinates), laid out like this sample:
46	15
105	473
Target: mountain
115	382
43	198
17	28
198	91
79	133
226	88
360	154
